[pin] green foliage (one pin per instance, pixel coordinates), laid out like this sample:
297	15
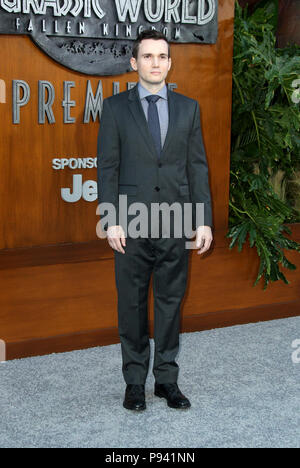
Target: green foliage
265	152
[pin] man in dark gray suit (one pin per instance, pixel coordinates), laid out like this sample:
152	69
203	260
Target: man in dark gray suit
150	149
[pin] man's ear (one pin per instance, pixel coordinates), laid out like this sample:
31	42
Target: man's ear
170	64
133	63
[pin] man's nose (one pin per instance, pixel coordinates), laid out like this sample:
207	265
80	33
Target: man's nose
155	61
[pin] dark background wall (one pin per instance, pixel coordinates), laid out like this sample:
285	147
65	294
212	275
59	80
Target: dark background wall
289	22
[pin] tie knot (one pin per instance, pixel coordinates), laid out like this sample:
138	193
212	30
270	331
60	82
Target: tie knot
153	98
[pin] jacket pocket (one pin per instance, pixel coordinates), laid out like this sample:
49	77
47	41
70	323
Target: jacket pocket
127	189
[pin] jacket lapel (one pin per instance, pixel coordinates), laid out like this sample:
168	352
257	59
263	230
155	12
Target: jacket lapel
172	120
141	121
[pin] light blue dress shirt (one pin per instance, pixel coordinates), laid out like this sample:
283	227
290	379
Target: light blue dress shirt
162	107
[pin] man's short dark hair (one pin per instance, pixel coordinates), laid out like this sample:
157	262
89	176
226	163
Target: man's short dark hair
149	34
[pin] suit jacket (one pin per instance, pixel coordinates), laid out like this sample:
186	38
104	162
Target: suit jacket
128	163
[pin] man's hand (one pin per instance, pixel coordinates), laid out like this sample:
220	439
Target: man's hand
204	239
116	238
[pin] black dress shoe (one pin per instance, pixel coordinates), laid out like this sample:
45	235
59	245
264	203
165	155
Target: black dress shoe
135	397
173	395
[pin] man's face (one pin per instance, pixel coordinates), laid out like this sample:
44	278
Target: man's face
153	62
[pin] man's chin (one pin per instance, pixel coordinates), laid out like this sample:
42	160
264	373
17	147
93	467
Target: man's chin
157	81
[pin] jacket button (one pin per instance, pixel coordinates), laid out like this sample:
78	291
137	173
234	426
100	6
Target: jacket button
159	164
157	189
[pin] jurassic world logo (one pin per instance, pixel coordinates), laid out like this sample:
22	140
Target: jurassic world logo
95	36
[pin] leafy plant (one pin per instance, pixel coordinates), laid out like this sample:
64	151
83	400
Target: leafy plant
265	152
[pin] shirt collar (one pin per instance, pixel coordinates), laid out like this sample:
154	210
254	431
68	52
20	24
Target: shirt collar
143	92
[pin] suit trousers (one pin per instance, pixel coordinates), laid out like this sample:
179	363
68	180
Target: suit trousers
167	259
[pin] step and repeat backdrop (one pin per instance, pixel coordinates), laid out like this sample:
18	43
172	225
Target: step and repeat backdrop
60	59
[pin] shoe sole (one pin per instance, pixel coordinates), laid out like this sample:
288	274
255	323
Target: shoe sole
170	404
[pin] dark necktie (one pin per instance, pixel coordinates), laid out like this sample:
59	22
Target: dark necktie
153	122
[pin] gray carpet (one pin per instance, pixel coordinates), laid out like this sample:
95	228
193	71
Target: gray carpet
242	383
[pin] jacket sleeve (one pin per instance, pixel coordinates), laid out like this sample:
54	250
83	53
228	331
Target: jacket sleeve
197	170
108	162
